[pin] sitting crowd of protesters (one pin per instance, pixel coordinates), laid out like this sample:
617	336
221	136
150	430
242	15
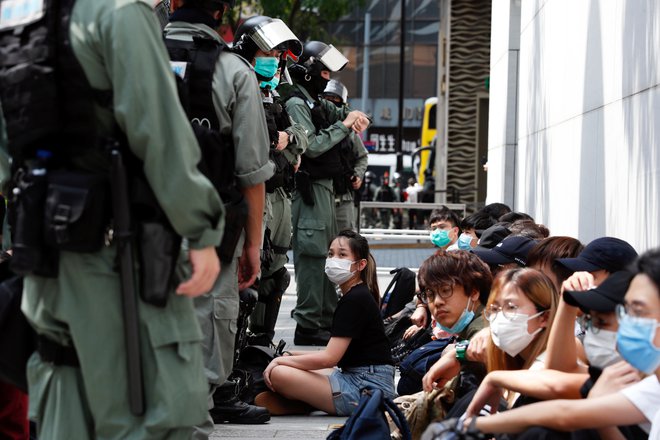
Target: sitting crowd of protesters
539	336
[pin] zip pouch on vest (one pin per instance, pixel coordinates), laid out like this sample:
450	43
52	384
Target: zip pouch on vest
77	211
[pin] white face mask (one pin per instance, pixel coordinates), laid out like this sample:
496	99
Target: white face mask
600	348
338	270
511	336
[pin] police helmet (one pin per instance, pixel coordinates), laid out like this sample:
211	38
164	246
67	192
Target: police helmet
369	176
336	89
265	33
318	56
397	178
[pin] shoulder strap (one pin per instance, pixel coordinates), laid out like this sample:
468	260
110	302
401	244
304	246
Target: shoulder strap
398	418
194	62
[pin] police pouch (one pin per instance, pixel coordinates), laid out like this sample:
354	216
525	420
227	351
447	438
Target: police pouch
304	187
77	211
158	245
25	214
236	213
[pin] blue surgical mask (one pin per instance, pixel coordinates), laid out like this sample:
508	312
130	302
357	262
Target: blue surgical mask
266	66
466	318
273	83
465	242
440	237
634	341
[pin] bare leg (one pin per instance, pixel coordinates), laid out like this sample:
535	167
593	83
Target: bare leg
308	386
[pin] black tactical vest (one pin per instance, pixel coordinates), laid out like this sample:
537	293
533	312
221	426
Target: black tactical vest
327	165
194	65
277	120
47	102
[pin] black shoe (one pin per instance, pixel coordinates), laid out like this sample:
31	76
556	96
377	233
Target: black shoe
230	409
316	337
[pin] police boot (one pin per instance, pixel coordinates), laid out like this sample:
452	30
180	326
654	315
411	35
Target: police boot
230	409
274	300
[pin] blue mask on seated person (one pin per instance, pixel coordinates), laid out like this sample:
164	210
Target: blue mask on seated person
440	237
465	242
266	66
634	341
466	318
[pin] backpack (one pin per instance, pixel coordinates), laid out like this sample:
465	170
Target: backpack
416	364
399	292
368	421
250	367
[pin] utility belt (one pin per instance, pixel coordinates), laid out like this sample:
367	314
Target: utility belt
66	210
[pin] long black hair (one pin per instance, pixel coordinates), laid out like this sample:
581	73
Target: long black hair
360	249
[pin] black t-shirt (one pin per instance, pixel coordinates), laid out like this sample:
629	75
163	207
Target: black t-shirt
357	317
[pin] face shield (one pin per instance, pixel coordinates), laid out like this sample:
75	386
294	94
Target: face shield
332	59
277	35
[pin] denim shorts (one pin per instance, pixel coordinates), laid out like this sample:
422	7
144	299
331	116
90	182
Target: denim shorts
347	383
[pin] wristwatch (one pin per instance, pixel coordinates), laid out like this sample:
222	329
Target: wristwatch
461	349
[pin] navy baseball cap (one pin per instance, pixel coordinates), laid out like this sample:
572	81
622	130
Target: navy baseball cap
609	253
510	250
603	298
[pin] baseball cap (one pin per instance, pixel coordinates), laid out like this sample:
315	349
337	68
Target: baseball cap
609	253
603	298
510	250
492	236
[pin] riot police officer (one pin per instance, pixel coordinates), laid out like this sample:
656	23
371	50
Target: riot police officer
79	385
313	214
354	163
368	194
267	43
238	116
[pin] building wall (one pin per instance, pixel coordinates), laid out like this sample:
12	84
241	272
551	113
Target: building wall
586	159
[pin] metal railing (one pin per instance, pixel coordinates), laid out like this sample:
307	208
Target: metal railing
401	234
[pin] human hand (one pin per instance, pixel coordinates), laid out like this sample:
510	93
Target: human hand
356	182
478	346
442	371
410	331
267	371
249	266
614	378
579	281
487	394
283	140
419	316
205	270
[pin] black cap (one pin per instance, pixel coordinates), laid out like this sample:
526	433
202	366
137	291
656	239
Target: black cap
510	250
609	253
603	298
492	236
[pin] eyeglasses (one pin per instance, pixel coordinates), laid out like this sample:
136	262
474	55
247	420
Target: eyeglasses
636	313
508	310
428	295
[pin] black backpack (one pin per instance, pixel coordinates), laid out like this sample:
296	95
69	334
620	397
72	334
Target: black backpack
399	292
250	367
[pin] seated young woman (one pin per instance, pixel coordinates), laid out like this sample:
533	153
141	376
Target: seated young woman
520	310
358	346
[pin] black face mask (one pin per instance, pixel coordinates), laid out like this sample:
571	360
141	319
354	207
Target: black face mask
316	86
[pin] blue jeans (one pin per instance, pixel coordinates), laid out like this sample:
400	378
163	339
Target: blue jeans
347	384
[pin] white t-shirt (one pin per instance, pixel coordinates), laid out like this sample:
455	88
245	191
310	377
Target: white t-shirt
645	395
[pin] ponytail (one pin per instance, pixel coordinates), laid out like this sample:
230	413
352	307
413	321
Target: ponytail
370	277
360	248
